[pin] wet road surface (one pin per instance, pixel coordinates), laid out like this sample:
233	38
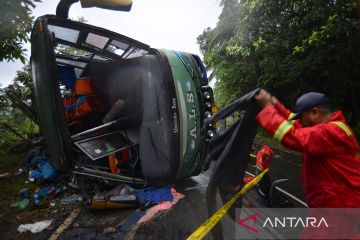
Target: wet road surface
191	212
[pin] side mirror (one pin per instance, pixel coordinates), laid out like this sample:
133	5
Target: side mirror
118	5
62	9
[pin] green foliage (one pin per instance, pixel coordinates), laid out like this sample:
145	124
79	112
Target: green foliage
16	23
289	48
13	117
23	84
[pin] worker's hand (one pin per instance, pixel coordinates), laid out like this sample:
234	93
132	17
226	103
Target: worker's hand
274	100
264	98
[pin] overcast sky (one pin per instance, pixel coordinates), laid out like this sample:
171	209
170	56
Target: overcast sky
171	24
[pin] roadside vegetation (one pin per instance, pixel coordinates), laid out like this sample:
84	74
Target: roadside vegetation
17	116
288	48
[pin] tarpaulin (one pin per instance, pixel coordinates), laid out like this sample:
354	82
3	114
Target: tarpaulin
235	143
231	150
154	195
163	206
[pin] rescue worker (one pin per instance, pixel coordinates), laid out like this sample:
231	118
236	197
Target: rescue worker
331	160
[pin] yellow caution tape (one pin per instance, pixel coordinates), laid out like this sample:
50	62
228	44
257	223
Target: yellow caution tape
209	224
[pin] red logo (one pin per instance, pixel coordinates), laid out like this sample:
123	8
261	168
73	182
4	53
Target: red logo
242	222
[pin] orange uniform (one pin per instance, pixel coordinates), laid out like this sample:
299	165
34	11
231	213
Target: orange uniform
331	158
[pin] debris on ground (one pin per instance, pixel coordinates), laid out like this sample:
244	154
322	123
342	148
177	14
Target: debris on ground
48	191
24	200
154	195
45	170
121	189
120	201
24	193
47	195
8	174
31	158
35	227
21	205
71	200
121	196
163	206
166	197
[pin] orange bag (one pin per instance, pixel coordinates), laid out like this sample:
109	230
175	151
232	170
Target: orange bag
83	107
113	164
69	106
83	86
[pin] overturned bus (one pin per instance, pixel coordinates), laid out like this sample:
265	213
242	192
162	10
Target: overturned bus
115	108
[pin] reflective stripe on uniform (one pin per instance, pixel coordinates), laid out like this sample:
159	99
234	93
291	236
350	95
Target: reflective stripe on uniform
291	115
284	127
343	127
